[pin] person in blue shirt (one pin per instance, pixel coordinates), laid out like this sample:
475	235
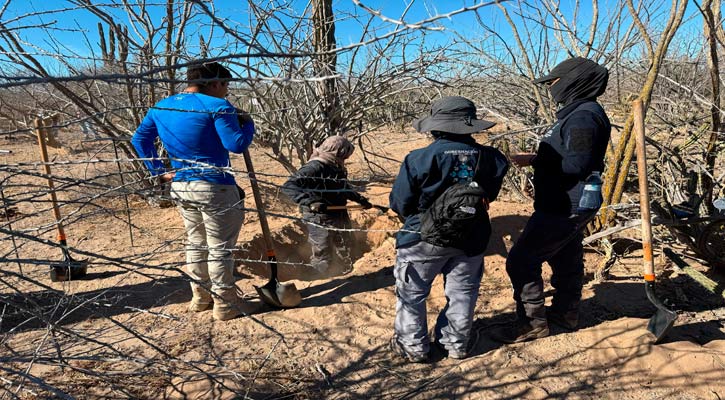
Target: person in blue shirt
198	128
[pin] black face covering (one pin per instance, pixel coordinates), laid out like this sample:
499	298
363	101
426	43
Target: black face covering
579	78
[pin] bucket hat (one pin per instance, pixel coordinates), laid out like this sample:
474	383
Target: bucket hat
452	114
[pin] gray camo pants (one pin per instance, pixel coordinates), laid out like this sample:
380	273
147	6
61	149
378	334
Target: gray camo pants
331	249
415	269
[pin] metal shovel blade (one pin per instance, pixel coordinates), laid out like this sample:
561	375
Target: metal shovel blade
663	319
276	293
279	294
69	269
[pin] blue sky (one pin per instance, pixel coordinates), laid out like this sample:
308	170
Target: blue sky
74	30
68	23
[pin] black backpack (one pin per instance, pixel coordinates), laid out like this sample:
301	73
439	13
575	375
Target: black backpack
458	218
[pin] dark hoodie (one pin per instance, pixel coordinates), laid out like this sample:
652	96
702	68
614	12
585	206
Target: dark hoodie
575	146
579	78
428	172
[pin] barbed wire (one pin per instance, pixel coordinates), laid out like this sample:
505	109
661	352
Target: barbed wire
99	352
111	190
102	115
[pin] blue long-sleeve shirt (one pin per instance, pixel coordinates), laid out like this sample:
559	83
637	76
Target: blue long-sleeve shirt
195	129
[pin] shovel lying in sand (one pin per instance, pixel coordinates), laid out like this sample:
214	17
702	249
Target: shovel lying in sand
68	269
275	293
662	321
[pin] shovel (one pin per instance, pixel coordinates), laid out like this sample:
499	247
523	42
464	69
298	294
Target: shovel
662	321
68	269
275	293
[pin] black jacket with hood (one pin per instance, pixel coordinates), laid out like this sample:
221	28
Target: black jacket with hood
575	146
428	172
317	182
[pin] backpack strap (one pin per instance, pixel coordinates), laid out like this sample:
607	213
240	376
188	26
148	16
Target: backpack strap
478	166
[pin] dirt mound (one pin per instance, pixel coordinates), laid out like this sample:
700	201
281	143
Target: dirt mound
371	230
382	229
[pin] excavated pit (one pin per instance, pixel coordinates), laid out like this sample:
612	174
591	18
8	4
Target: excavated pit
293	251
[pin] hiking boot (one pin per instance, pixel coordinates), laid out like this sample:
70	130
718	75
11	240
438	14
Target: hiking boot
568	320
399	349
452	353
456	354
200	298
521	331
227	305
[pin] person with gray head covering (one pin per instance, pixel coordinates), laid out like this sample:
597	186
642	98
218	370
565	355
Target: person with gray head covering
317	185
571	150
426	174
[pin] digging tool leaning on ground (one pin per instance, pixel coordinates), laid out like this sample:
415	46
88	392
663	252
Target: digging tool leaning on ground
568	153
200	124
69	268
274	292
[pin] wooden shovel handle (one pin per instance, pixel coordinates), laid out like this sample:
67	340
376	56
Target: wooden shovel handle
350	207
40	133
357	207
258	200
271	257
649	267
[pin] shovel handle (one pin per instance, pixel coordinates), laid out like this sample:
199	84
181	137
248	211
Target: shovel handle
352	207
356	207
40	133
262	216
648	261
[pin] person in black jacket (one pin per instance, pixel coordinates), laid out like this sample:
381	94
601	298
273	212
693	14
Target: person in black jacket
424	176
318	186
568	153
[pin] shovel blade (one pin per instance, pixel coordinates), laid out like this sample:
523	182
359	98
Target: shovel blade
268	296
662	321
281	295
69	270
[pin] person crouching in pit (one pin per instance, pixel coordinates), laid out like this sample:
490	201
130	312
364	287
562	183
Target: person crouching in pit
321	189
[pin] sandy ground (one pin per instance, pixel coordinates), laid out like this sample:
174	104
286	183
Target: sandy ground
123	332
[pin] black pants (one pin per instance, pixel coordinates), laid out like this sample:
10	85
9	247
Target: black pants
330	248
556	239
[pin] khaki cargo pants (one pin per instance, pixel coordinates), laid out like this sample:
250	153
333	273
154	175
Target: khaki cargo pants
213	216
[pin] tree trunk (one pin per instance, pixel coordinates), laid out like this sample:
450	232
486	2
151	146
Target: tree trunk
710	24
618	164
325	63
